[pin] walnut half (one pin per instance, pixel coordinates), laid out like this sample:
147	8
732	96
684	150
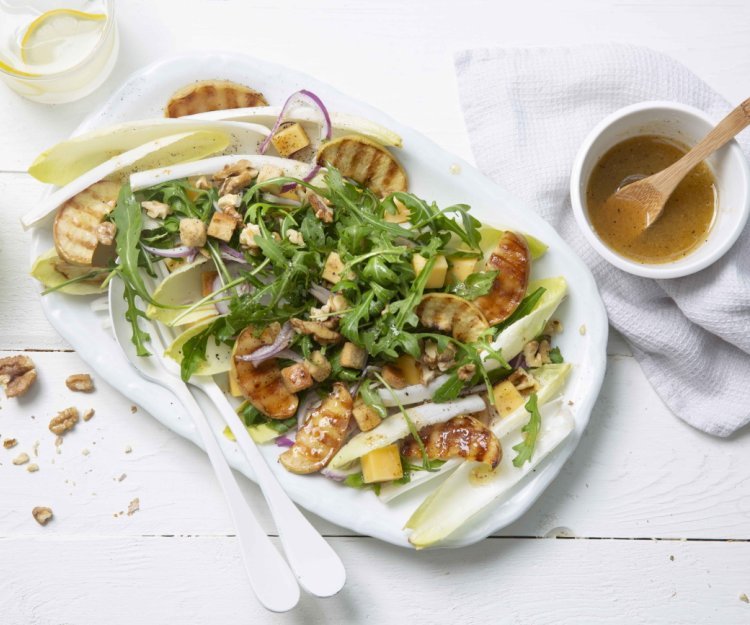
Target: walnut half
80	382
64	421
17	374
536	353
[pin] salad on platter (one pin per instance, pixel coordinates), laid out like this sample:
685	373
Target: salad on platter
374	337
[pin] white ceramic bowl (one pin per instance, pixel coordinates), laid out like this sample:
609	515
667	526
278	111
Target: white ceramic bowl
686	125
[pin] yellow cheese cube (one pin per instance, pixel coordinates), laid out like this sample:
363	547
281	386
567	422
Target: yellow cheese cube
507	397
436	279
333	268
400	216
409	369
353	356
222	226
462	268
382	465
289	139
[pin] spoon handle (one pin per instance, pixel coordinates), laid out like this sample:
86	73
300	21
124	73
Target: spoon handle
316	565
739	119
273	582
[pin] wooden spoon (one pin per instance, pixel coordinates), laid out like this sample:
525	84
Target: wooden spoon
642	202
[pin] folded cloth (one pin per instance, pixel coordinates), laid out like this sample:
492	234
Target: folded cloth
527	111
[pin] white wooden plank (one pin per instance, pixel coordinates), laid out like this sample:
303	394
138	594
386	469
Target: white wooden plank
22	323
123	580
418	42
639	472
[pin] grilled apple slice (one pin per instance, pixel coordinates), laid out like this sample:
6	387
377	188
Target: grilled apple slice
263	384
511	257
365	161
322	435
461	437
212	95
76	234
450	313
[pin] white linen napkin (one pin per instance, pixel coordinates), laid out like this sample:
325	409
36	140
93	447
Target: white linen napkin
527	111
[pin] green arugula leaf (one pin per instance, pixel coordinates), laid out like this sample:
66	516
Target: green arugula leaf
525	448
128	219
312	231
476	285
138	337
524	308
194	352
355	480
283	425
372	399
555	356
448	390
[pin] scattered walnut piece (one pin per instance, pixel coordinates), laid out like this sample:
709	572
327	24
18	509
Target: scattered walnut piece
235	177
88	414
524	382
536	353
554	326
582	330
134	506
156	210
9	443
203	183
80	383
321	209
42	514
744	598
35	448
33	467
134	409
21	458
106	232
17	374
322	334
295	237
434	359
122	477
85	451
64	421
466	372
128	449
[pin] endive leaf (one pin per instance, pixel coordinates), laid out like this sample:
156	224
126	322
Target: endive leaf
472	487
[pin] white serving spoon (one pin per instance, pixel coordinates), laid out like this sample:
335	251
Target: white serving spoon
316	565
270	576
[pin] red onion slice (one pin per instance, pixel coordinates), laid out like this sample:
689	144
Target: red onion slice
283	338
284	441
320	293
307	98
221	306
231	254
305	406
284	201
307	178
182	251
339	475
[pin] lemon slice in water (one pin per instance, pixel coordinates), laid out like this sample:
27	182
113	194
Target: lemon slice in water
60	39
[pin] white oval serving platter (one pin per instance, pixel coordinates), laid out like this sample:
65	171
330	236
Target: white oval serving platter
434	174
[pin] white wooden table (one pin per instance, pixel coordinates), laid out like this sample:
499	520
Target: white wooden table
649	521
